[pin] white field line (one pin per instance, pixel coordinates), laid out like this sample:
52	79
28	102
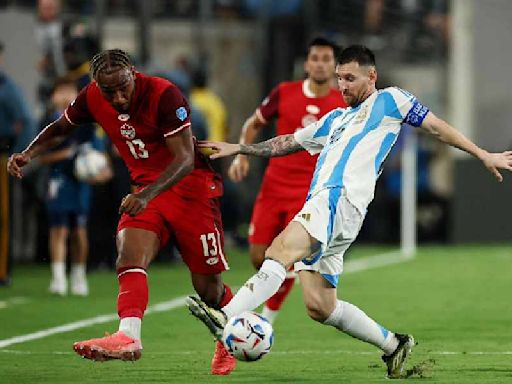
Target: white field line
13	301
351	266
160	307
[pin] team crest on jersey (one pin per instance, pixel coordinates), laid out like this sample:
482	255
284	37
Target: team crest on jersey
127	131
313	109
181	113
308	119
361	115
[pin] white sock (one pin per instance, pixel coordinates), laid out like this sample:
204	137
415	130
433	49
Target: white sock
350	319
257	289
78	271
131	326
58	270
269	314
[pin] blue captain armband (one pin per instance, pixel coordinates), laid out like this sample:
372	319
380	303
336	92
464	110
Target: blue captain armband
416	114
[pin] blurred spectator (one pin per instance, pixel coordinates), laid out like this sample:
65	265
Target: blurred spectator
77	50
429	28
210	105
68	199
16	124
274	8
50	39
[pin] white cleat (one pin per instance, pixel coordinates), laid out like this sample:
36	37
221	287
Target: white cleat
58	287
79	287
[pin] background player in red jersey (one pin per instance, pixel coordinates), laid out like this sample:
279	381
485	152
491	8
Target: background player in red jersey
285	184
147	119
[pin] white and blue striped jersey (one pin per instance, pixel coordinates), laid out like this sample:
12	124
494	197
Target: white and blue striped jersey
354	142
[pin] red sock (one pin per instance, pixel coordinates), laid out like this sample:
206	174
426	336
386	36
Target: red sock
276	301
133	292
226	298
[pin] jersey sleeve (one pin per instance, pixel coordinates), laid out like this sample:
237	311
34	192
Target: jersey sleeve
78	111
314	136
269	106
410	109
173	112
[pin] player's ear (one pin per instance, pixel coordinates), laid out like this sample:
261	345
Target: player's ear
372	74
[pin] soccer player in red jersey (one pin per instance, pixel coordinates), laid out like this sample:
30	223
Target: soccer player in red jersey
286	182
176	193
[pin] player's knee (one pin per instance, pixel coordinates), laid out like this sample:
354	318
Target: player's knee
281	252
128	259
316	309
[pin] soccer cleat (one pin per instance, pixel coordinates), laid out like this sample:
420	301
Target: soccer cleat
58	287
222	363
214	319
79	287
396	361
115	346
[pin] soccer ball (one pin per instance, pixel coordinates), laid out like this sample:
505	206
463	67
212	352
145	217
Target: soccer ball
248	336
89	163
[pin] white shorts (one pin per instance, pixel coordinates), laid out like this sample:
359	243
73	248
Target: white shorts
335	222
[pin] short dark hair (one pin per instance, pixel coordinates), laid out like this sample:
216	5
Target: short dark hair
321	41
109	59
358	53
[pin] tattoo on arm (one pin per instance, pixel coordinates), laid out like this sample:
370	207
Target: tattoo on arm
277	146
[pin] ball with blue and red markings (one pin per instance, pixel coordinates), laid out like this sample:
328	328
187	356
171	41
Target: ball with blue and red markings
248	336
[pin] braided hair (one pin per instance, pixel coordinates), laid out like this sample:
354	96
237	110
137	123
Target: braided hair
109	61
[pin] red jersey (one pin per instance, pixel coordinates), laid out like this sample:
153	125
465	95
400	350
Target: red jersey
158	110
295	107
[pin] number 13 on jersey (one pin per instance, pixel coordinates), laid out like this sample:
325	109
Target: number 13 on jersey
137	149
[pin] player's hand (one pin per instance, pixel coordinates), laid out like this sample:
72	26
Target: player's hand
133	204
496	161
16	162
239	168
219	148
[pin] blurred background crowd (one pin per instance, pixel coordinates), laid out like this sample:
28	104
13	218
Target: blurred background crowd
226	55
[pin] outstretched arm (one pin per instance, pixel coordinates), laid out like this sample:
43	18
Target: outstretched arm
277	146
449	135
49	137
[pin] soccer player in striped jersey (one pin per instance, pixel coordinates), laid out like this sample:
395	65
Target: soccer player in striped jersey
353	143
294	105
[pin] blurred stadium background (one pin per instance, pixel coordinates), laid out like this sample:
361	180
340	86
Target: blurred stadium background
453	54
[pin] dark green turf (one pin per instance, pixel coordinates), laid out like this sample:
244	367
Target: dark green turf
454	300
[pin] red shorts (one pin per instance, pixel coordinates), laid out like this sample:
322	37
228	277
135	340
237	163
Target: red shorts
195	224
270	216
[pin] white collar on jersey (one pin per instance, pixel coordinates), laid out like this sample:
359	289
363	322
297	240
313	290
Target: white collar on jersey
306	89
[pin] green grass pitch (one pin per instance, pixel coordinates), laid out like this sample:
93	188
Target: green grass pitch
455	300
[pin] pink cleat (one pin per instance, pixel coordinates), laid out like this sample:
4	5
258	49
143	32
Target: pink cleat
115	346
222	363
